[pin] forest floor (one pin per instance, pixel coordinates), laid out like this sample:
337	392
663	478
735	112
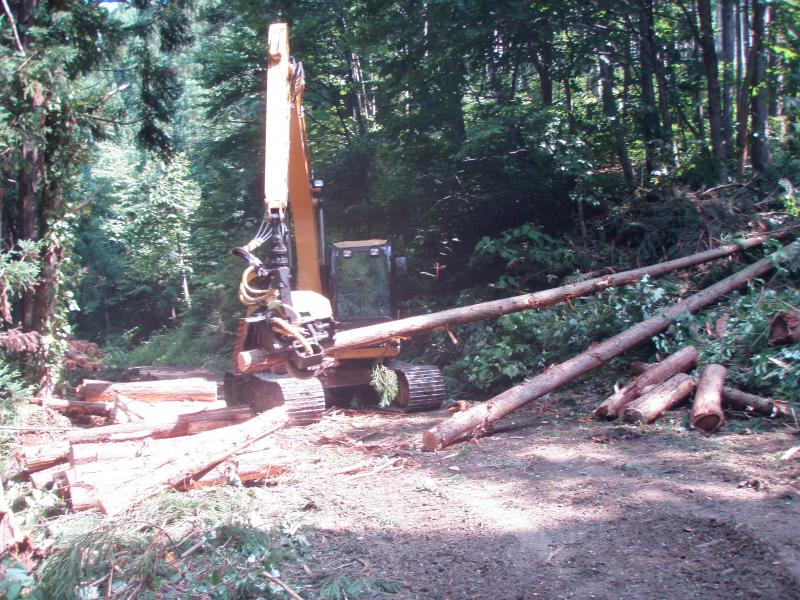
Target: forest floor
556	505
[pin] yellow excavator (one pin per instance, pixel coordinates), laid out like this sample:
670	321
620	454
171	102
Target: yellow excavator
299	297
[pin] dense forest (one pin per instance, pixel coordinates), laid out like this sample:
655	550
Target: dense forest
502	146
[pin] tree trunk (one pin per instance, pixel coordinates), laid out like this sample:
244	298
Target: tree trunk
728	82
711	68
175	390
707	415
760	156
739	400
374	334
612	116
681	361
480	417
649	111
648	407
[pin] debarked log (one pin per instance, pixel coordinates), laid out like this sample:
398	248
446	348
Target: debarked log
480	417
194	389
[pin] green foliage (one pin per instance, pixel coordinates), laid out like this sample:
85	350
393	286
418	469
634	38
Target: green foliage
147	550
341	587
384	381
526	256
14	579
494	356
735	333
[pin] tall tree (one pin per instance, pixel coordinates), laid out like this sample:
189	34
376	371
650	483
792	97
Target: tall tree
710	64
759	141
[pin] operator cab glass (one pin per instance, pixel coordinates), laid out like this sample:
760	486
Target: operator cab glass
361	282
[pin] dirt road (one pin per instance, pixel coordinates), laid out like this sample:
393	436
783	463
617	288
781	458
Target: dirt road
556	506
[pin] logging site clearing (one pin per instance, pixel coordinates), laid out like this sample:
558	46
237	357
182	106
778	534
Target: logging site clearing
555	504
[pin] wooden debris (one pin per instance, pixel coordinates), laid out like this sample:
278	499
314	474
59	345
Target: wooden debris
650	406
784	328
480	418
791	453
679	362
739	400
41	456
117	488
707	415
193	390
78	407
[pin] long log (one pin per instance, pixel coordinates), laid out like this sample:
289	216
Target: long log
76	406
42	456
193	389
682	360
374	334
648	407
481	416
707	415
739	400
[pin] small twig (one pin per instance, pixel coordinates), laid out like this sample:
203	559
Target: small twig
725	186
13	28
292	594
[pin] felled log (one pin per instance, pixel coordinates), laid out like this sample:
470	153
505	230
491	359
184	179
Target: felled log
41	479
245	468
480	418
125	410
707	415
739	400
784	328
194	389
682	360
42	456
199	454
648	407
78	407
374	334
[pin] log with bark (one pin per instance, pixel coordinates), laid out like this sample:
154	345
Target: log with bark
44	455
648	407
116	489
784	328
480	418
374	334
193	389
78	407
679	362
707	415
125	410
738	400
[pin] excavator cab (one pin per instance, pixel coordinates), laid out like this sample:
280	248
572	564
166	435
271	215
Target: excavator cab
361	283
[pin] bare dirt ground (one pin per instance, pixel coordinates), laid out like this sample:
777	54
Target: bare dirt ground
555	506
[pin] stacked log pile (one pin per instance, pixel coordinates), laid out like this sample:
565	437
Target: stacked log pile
172	433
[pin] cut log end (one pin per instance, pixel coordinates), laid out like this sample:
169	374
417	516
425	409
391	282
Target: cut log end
708	423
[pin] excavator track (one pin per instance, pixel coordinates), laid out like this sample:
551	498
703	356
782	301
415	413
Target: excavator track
304	399
421	387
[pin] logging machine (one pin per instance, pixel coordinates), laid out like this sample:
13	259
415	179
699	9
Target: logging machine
301	294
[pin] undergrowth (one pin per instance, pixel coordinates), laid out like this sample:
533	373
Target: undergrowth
201	544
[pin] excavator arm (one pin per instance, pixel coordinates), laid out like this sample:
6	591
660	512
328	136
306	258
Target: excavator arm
289	326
